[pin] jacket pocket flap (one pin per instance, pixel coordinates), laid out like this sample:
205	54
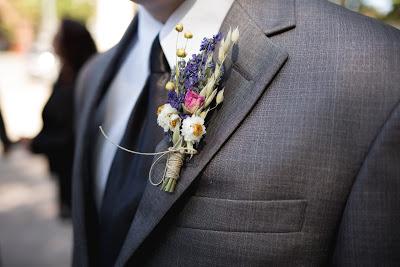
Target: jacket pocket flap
272	216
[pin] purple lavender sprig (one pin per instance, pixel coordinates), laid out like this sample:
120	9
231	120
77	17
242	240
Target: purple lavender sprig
208	44
175	100
198	68
192	71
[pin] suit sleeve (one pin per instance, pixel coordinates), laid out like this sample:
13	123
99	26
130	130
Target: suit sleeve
369	232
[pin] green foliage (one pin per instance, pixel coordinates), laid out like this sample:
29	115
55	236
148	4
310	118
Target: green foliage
6	32
77	9
394	16
81	10
31	12
29	9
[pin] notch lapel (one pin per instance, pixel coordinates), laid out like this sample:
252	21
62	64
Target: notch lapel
255	62
113	64
100	85
85	209
117	57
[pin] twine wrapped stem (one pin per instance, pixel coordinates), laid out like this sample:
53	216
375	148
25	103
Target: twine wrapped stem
173	168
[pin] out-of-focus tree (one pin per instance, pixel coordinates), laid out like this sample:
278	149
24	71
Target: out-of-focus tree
27	14
394	16
77	9
28	9
15	25
5	35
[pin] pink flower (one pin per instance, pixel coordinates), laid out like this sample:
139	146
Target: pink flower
193	101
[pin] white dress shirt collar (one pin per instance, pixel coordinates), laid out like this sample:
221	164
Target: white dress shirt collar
201	17
148	26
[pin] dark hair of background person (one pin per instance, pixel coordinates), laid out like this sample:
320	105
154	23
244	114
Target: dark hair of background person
74	46
3	136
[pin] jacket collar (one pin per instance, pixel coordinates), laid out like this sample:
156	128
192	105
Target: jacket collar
271	16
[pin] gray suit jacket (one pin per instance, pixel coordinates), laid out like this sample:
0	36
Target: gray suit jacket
300	166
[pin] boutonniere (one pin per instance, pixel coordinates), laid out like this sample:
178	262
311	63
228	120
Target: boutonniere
193	91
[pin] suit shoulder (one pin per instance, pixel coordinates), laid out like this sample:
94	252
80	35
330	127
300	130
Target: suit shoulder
362	53
356	40
344	23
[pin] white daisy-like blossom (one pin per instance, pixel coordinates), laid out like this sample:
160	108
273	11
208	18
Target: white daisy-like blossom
193	128
164	116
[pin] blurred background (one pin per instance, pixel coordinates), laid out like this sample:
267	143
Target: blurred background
33	231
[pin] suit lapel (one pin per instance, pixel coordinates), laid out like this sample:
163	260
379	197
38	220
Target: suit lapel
255	62
97	87
113	64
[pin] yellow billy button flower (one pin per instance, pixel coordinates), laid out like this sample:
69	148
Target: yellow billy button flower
170	86
181	53
179	27
188	35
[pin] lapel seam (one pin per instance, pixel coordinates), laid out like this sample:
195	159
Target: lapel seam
243	72
284	26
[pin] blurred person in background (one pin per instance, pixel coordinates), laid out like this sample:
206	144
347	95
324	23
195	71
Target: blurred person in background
3	136
74	45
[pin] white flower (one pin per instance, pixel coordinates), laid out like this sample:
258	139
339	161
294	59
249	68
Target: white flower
193	128
174	121
165	113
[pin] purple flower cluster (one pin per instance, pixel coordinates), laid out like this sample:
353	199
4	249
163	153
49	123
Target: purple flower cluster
208	44
192	71
175	100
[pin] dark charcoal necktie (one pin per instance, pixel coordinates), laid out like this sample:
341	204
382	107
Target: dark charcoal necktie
128	173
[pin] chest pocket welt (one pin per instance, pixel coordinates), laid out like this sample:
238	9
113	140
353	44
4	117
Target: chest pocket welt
272	216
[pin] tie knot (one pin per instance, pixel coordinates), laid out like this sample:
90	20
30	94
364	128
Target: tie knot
158	61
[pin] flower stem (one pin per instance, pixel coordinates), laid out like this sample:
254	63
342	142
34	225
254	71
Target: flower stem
176	66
